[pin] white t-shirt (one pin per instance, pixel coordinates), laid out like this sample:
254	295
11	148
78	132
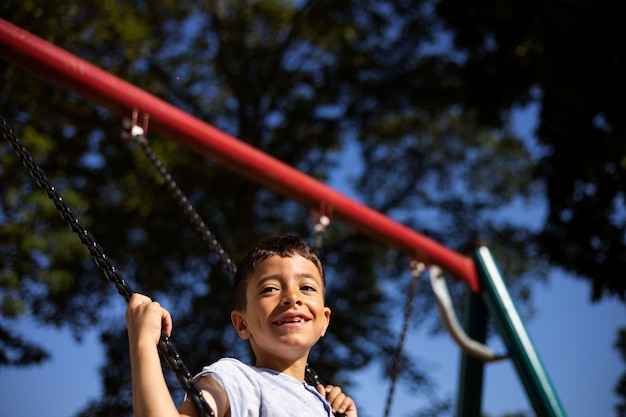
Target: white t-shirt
261	392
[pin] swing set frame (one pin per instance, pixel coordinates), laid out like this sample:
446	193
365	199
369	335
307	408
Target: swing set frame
487	290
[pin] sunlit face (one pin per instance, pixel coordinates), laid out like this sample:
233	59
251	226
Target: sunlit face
285	313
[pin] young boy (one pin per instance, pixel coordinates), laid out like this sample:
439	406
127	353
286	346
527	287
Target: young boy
280	310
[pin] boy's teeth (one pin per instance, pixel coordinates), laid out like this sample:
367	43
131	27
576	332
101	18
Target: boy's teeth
290	321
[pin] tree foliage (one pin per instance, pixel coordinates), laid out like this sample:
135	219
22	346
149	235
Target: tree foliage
368	87
562	55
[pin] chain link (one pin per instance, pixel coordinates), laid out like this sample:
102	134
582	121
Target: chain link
416	270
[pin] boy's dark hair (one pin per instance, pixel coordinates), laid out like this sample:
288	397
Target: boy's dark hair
283	246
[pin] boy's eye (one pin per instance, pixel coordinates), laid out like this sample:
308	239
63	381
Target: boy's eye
268	289
308	288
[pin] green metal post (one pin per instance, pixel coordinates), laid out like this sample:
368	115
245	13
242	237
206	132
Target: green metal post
511	328
470	393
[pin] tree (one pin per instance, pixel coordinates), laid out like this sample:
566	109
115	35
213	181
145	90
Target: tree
565	57
300	81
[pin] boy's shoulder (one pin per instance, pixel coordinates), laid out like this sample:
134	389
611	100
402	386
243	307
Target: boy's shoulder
227	365
232	368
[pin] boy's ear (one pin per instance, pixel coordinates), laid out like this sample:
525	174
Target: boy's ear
239	322
327	317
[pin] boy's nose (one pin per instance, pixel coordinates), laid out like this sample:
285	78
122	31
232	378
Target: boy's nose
291	298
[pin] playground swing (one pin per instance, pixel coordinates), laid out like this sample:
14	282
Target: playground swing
487	290
321	220
165	346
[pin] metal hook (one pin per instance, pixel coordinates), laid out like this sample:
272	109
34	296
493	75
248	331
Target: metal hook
132	128
321	219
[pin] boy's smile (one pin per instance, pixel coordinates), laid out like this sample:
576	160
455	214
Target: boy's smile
291	320
285	313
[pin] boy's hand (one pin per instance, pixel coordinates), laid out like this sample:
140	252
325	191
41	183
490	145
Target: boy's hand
339	402
145	319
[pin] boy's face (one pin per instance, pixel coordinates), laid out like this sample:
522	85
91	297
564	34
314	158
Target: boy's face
285	313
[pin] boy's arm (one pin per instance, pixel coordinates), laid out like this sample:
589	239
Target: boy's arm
151	396
213	393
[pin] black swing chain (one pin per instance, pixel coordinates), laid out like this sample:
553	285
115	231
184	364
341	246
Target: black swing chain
184	203
416	270
165	345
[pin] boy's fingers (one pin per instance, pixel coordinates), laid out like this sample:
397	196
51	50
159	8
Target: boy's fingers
332	392
140	306
167	323
345	404
138	299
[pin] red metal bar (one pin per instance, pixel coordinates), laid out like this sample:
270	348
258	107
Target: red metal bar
56	65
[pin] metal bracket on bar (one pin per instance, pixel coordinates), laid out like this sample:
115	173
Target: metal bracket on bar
321	219
450	322
132	128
